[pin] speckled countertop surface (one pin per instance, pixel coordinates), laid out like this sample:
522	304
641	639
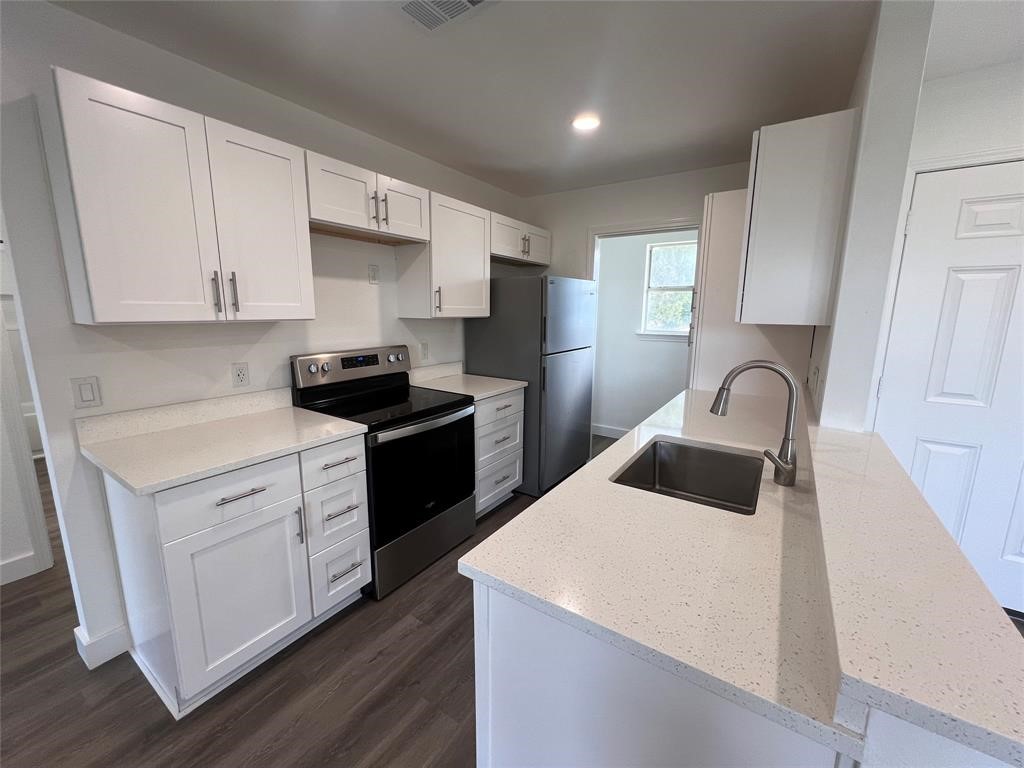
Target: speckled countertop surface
919	635
480	387
733	603
148	462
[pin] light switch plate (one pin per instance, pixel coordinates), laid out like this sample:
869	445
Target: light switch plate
86	392
374	274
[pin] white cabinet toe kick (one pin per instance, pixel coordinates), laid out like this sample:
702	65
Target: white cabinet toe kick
220	574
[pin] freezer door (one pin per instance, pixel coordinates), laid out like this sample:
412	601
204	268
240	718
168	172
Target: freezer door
565	414
570	314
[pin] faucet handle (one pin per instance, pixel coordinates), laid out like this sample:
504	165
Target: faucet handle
785	471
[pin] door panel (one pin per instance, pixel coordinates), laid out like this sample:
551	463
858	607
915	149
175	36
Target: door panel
140	176
538	245
340	193
259	188
235	590
570	314
951	403
566	382
404	208
507	237
459	261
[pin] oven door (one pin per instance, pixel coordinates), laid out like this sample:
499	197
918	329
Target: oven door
417	472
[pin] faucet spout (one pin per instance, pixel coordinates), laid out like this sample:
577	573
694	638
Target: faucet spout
785	459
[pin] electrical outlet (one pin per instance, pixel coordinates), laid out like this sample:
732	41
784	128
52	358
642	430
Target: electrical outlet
374	274
240	374
424	350
86	392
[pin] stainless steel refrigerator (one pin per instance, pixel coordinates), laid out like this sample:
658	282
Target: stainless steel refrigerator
542	330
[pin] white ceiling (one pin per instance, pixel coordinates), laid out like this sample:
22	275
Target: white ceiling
678	85
971	34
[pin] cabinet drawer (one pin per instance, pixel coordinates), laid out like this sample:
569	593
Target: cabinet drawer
499	439
332	462
335	511
498	407
205	503
498	479
340	571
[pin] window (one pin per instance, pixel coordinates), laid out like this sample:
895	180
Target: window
668	288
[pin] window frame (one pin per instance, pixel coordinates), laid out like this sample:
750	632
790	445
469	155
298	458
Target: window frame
665	335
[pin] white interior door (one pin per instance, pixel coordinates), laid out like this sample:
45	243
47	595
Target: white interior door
259	194
951	397
460	265
404	208
341	193
141	180
235	590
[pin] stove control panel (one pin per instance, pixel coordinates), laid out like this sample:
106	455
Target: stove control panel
330	367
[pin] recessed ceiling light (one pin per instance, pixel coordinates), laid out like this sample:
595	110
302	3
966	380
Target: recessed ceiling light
586	122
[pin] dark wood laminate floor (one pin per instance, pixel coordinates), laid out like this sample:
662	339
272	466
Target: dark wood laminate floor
384	684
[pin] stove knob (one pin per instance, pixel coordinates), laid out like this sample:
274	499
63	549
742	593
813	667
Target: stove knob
313	368
391	358
401	356
325	367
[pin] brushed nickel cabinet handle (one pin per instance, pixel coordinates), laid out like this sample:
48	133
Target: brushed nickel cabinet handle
244	495
340	512
301	533
527	246
437	291
334	464
346	572
234	292
387	210
375	216
503	407
522	245
217	305
505	439
502	479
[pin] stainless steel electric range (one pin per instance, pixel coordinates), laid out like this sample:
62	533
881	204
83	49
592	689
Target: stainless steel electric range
420	467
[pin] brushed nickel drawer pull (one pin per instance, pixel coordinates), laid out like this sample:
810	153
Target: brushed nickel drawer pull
244	495
346	572
334	464
301	533
502	479
503	407
505	439
340	512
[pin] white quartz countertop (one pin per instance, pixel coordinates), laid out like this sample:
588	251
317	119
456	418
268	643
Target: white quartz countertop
154	461
736	604
480	387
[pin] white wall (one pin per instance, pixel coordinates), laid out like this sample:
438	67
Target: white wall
142	366
633	375
654	201
894	67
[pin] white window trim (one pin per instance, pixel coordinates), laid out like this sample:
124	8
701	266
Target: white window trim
644	332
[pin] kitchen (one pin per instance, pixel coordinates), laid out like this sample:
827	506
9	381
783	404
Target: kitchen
159	378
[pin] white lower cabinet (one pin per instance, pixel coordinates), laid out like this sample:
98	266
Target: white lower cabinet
499	448
219	574
340	571
235	590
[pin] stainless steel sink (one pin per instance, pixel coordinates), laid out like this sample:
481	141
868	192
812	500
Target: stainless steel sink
713	475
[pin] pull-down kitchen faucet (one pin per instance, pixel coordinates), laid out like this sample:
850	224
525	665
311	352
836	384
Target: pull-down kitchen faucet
785	460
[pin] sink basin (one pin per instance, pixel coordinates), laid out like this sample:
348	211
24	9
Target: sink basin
713	475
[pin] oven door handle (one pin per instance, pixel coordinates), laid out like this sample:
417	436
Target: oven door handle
424	426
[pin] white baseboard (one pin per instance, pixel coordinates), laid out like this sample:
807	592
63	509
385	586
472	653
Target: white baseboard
99	650
20	566
606	431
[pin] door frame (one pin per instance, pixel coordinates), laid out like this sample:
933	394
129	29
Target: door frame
914	169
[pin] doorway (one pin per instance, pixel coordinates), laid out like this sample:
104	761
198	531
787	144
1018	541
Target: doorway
951	399
645	283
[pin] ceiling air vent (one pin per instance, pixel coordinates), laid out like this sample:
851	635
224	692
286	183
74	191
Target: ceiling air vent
431	14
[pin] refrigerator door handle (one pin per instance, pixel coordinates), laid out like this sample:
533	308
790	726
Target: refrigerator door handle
543	378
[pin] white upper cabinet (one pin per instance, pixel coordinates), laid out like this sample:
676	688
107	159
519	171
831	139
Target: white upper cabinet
796	208
345	196
404	208
450	276
147	249
519	241
259	192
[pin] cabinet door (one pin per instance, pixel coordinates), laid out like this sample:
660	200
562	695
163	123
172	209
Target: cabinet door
259	194
340	193
460	265
404	208
141	183
235	590
538	245
508	237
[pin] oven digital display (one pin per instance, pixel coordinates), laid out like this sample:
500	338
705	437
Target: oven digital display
359	361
